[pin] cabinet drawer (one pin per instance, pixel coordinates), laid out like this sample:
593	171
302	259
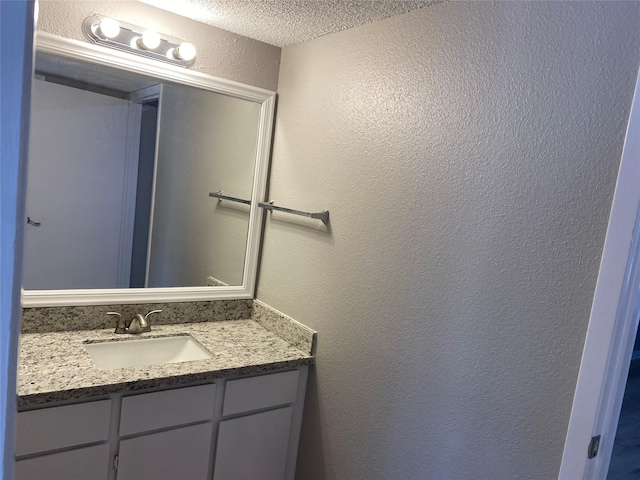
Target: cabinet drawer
246	394
60	427
152	411
78	464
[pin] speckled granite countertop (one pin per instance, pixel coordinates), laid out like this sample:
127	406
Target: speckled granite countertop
55	366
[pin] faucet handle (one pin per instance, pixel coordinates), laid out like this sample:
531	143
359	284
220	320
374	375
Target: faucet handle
121	326
151	312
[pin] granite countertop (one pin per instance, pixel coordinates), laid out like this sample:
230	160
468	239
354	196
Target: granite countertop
55	366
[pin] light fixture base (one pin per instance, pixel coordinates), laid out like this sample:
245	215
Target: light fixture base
128	39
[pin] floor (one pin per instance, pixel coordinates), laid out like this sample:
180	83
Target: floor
625	460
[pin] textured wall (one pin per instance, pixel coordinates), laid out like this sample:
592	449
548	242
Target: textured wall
220	53
468	155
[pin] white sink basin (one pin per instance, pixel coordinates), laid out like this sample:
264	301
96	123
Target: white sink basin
145	351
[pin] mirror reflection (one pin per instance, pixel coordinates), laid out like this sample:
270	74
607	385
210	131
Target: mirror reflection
119	174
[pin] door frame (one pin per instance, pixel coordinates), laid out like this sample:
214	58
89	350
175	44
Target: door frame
16	44
612	324
139	97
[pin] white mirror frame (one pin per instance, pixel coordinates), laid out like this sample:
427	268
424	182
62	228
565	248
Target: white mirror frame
54	44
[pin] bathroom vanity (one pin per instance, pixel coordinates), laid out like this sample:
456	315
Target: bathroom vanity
236	415
233	415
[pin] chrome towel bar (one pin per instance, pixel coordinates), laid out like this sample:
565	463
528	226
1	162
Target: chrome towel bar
220	196
324	215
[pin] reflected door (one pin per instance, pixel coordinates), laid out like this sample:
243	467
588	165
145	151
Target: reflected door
77	163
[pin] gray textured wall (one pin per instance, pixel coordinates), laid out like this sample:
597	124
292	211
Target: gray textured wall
468	155
220	53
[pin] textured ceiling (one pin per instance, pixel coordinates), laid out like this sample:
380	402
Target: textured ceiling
284	22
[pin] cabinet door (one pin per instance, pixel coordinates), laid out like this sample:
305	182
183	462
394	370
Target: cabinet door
180	454
253	447
78	464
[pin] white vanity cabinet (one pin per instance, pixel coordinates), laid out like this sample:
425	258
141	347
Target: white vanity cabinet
242	428
68	442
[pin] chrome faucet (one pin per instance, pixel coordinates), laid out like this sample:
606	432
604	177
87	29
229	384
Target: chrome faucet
137	324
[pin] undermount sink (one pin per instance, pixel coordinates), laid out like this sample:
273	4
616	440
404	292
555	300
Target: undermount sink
145	351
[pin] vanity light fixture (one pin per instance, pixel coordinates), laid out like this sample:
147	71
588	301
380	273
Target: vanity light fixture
139	41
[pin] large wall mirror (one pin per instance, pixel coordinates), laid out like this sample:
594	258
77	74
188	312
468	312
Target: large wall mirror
126	157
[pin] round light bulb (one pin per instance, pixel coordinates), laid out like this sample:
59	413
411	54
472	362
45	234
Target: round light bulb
185	51
150	40
109	27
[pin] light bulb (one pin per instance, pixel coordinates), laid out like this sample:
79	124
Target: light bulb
109	27
150	40
185	51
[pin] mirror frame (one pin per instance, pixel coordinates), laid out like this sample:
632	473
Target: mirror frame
49	43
